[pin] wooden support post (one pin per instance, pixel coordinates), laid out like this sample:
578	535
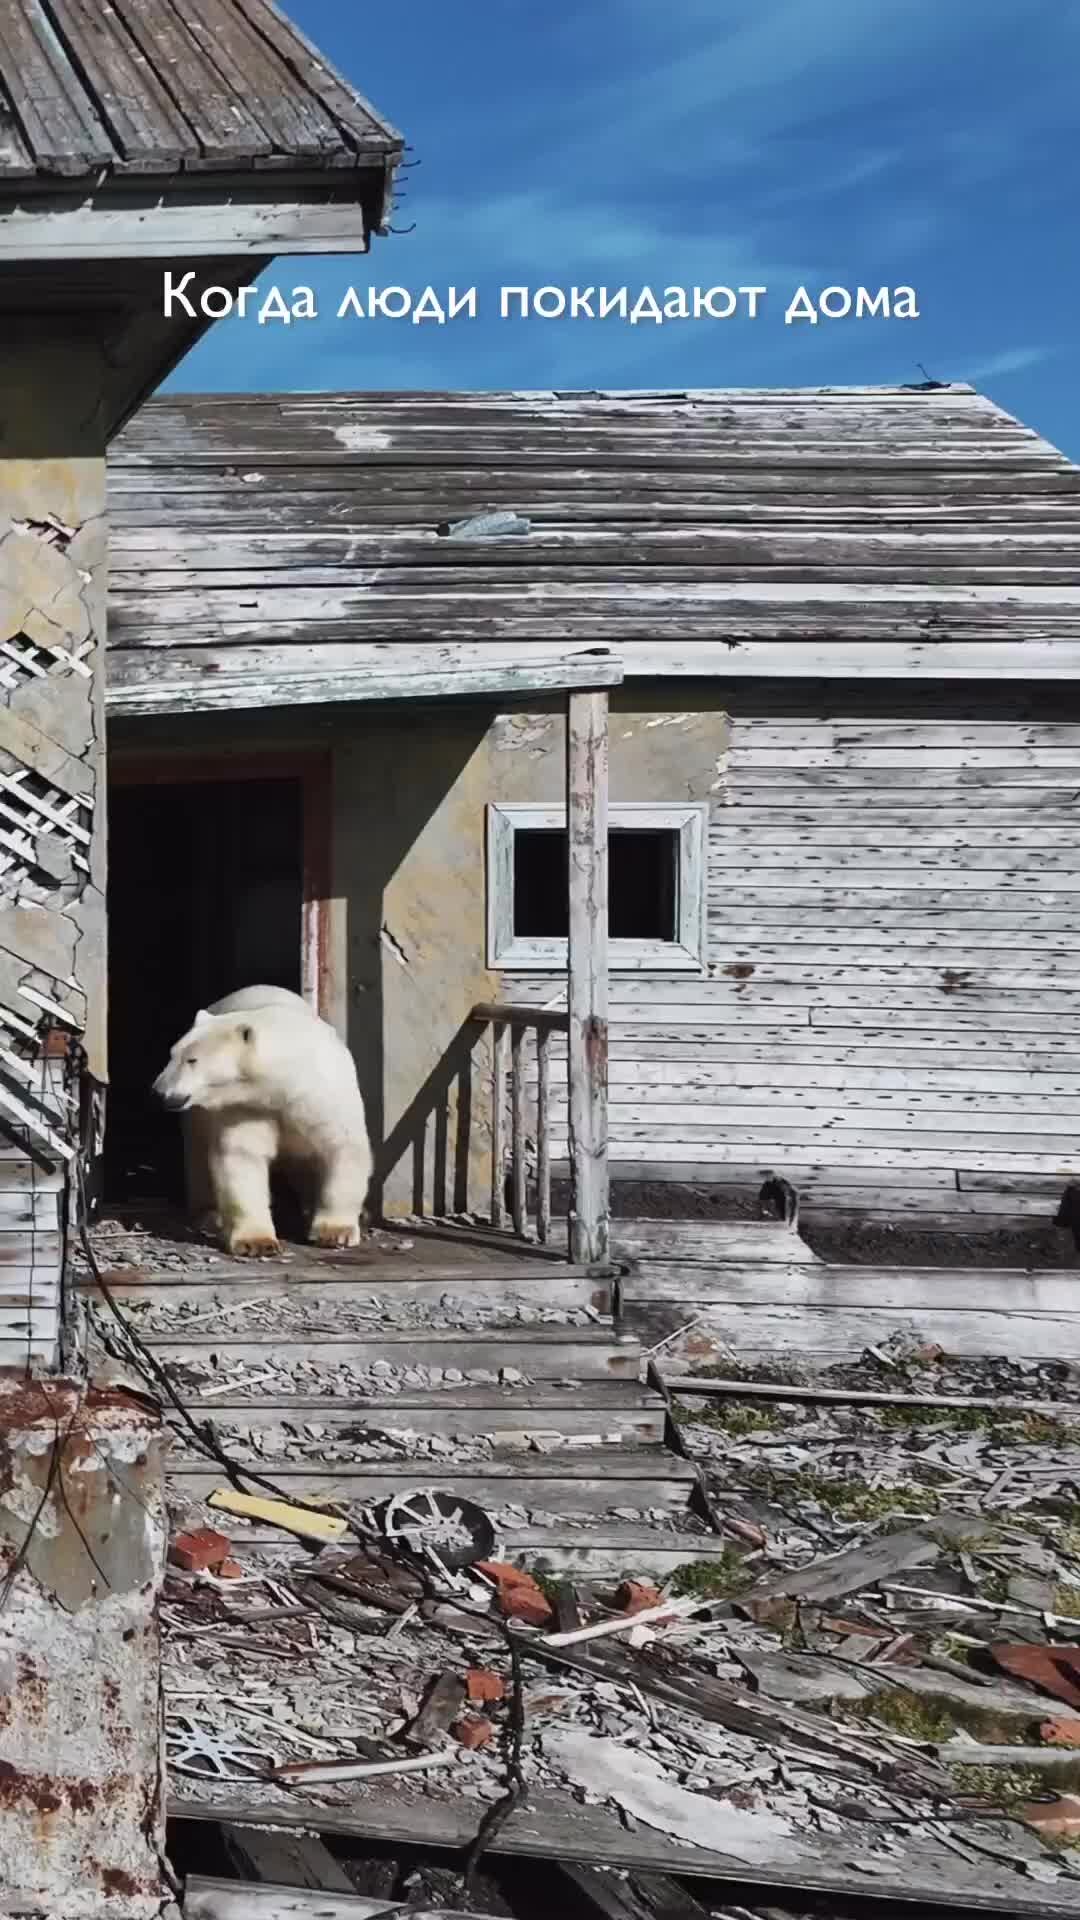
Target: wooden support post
543	1135
587	973
500	1042
518	1209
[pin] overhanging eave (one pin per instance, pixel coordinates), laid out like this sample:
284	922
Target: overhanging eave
177	218
161	691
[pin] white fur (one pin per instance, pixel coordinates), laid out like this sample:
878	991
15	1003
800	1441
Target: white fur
261	1080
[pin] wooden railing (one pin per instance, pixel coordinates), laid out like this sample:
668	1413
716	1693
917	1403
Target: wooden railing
509	1027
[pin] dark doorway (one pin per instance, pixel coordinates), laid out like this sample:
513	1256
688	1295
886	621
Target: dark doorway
206	894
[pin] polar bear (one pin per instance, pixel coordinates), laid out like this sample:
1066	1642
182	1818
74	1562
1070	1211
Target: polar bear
261	1081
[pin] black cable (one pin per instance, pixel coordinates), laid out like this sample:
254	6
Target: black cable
151	1370
156	1376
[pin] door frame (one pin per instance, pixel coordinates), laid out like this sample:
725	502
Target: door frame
313	768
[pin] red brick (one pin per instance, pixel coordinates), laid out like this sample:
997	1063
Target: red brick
1060	1816
481	1686
196	1552
517	1593
1060	1733
473	1731
229	1570
635	1595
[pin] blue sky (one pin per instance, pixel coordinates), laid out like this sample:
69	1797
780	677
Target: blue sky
708	142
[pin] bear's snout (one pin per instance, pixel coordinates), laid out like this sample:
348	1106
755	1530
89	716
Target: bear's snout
169	1097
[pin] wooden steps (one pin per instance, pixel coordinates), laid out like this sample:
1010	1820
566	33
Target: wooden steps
231	1283
598	1409
504	1379
592	1482
558	1354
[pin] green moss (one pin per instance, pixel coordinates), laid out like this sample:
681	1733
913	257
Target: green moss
982	1534
737	1417
917	1716
851	1498
934	1718
720	1578
779	1374
546	1578
1067	1602
962	1419
1004	1786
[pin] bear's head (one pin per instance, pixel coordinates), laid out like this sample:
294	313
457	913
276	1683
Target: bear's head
213	1066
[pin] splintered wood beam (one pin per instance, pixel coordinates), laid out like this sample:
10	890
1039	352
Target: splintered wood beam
587	973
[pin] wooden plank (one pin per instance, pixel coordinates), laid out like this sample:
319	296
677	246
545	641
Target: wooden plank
548	1826
910	1290
587	972
148	686
284	1859
500	1048
206	1898
711	1152
557	1353
217	109
543	1136
749	1241
562	1484
361	125
685	1384
848	1331
57	117
518	1169
128	92
294	121
184	228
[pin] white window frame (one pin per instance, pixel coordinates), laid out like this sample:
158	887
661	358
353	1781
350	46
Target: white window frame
685	954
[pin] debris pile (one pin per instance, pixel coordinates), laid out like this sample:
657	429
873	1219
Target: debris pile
881	1709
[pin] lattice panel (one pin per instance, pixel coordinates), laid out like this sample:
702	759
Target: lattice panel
23	659
32	811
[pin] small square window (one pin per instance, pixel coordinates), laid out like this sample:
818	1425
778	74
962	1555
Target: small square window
655	888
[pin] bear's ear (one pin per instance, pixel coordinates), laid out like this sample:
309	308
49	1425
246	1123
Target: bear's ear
203	1018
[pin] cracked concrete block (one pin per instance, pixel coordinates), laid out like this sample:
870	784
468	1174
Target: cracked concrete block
82	1544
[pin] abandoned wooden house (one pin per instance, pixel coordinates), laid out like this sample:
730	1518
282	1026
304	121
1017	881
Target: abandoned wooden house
663	789
843	762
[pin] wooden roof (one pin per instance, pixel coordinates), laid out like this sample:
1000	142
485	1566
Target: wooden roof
142	87
889	530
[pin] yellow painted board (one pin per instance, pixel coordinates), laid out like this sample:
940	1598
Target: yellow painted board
277	1513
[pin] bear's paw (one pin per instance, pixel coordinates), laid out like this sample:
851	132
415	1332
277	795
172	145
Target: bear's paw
334	1233
253	1241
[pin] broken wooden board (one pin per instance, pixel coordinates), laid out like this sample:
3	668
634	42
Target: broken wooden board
206	1898
552	1827
284	1859
858	1567
809	1680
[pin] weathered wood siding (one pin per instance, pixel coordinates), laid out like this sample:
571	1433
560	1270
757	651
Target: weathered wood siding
52	841
891	1005
270	549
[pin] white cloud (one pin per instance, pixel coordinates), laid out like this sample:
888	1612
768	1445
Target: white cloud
1012	360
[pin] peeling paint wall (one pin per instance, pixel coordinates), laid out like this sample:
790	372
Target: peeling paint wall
410	813
82	1550
52	829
